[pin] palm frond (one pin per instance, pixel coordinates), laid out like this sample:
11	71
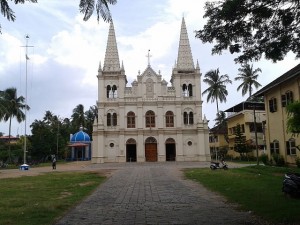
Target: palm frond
87	8
6	11
103	10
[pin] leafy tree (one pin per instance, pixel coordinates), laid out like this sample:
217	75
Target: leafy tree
253	28
49	136
248	76
293	123
240	143
14	106
217	86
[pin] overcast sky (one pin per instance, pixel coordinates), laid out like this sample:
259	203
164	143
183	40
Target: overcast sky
64	61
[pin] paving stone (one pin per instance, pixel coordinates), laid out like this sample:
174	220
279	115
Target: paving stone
153	193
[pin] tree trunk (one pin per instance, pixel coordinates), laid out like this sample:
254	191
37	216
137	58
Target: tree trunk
9	150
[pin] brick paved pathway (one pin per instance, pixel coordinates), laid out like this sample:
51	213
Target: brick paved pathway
153	193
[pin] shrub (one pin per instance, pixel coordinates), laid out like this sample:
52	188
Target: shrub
278	159
265	159
298	162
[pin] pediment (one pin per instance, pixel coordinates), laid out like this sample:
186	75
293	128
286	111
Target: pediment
149	72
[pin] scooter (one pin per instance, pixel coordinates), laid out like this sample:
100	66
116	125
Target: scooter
291	184
216	165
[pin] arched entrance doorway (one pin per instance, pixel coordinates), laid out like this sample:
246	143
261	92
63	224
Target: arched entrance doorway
170	150
131	150
151	149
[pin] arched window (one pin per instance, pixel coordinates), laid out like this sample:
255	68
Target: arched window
185	118
114	91
188	118
150	119
112	119
169	119
111	92
191	118
108	89
185	92
190	89
130	120
108	119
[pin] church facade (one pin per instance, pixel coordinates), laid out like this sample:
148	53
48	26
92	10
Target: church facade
150	121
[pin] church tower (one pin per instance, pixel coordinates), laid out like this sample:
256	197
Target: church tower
149	121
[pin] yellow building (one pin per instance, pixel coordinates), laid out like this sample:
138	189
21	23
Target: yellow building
217	142
243	114
277	95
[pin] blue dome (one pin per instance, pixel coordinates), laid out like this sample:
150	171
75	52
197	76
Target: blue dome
80	137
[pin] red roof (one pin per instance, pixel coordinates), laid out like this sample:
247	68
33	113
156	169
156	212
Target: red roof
78	145
7	137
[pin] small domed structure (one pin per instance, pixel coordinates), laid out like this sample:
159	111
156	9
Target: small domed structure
80	136
80	144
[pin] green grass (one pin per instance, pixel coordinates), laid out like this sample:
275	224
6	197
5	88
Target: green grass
254	188
42	199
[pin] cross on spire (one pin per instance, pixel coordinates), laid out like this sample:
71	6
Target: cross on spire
148	56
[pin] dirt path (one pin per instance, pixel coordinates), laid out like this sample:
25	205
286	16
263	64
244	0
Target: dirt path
33	171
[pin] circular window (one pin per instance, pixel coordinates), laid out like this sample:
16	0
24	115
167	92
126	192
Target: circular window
189	143
111	145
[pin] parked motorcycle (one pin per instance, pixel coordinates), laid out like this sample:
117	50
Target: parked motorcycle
291	184
218	165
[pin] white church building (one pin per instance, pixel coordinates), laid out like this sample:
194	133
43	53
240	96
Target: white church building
150	121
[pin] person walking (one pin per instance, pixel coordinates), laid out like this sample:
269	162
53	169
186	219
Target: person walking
54	163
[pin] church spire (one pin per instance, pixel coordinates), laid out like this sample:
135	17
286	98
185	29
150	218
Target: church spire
185	58
111	60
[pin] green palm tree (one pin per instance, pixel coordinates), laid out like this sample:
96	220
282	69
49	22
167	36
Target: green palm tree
217	86
220	118
91	115
221	124
87	7
78	117
248	76
13	108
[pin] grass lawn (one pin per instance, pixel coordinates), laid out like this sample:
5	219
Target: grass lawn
41	199
254	188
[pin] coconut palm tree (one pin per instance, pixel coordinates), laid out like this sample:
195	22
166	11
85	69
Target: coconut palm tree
14	106
220	118
217	86
248	76
87	7
91	115
48	118
78	117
